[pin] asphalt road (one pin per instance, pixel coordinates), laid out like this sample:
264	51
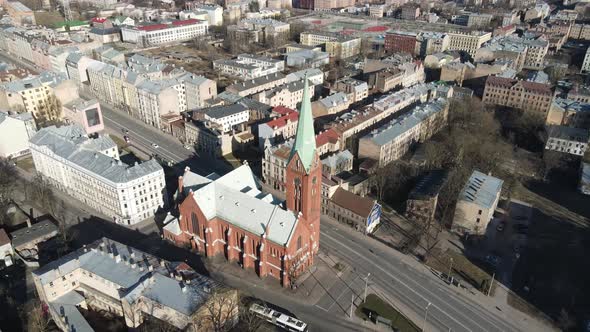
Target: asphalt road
408	286
411	287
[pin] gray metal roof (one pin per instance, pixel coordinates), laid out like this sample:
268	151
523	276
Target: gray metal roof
218	112
249	84
72	144
400	125
36	231
335	99
127	268
481	189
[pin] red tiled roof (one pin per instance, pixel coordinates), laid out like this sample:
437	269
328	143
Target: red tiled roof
282	121
510	82
152	27
99	20
327	136
282	110
186	22
361	206
4	239
378	28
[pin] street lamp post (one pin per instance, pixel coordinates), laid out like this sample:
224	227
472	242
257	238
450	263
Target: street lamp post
366	283
451	269
425	316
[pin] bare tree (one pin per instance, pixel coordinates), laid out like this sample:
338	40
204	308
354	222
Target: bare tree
38	319
49	112
249	321
380	181
8	181
220	312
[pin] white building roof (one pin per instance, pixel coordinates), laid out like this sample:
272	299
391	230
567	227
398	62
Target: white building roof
481	189
236	198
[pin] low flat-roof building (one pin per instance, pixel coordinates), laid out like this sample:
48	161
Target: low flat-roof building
476	204
422	202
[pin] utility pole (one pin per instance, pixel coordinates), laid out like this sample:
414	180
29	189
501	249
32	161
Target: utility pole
425	316
451	269
366	282
492	283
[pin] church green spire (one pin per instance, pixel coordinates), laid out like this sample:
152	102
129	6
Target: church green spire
305	138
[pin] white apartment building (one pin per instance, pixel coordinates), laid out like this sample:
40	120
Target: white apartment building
164	33
355	89
314	75
89	169
247	66
124	281
15	132
476	204
567	140
338	46
227	117
214	13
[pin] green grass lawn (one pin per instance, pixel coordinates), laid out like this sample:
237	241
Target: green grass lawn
462	267
375	304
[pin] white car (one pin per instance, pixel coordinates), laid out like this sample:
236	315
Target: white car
155	146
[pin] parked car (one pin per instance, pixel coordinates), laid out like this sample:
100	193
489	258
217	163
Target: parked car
155	146
500	226
126	138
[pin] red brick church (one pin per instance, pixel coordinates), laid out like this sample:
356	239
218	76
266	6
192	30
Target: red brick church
230	216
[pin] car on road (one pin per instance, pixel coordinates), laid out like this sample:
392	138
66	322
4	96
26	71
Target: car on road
500	226
493	260
125	130
155	146
126	138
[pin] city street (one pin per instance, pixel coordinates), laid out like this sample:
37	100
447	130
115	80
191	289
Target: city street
403	281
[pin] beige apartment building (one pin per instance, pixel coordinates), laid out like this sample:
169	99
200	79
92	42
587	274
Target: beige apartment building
288	94
337	46
528	96
256	85
331	4
129	283
469	42
40	95
476	204
394	139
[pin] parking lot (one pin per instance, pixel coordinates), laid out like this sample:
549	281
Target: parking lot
506	239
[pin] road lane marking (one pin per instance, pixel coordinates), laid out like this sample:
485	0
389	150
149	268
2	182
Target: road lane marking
403	283
486	316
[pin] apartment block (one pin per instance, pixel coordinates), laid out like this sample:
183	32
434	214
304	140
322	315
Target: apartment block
337	46
248	66
15	132
401	41
391	141
250	87
124	281
529	96
571	113
89	169
410	12
332	104
276	158
567	140
40	95
20	14
356	90
288	94
431	43
356	123
476	204
586	64
278	129
327	5
86	114
469	42
151	34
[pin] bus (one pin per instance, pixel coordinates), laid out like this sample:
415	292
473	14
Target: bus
276	318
